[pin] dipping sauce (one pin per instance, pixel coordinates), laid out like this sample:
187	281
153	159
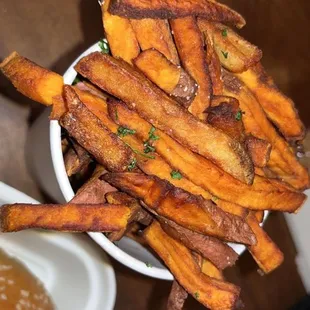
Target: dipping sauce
19	288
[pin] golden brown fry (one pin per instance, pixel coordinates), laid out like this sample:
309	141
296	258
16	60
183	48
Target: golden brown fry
282	160
279	108
259	216
259	150
264	194
121	80
66	217
59	107
187	210
155	33
218	252
120	35
189	42
89	132
212	293
266	253
235	53
31	80
208	9
212	271
177	297
170	78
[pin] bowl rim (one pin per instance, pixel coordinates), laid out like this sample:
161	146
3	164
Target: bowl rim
67	191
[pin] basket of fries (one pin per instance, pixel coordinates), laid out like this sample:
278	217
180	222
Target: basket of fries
168	134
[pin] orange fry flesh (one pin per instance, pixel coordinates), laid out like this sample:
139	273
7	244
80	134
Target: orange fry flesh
190	46
33	81
212	293
121	80
120	35
210	270
66	217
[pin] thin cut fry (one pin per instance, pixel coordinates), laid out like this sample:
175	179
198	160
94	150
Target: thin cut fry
187	210
177	297
266	253
155	33
120	35
66	217
121	80
208	9
259	150
89	132
189	42
264	194
212	293
279	108
235	53
170	78
33	81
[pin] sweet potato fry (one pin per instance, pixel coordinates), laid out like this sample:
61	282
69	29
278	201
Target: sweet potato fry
187	210
279	108
259	216
89	132
264	194
59	107
189	42
212	293
176	297
31	80
209	9
259	150
120	35
66	217
170	78
219	253
155	33
121	80
235	53
212	271
282	160
266	253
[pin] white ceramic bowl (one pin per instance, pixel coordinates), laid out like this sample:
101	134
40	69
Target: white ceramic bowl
128	252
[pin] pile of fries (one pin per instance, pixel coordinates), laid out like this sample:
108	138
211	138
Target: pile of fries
190	139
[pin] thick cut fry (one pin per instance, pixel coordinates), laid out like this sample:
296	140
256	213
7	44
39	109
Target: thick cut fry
170	78
190	211
89	132
121	80
279	108
212	293
266	253
235	53
212	271
208	9
282	160
189	42
120	35
31	80
76	159
227	117
66	217
264	194
155	33
259	150
219	253
176	297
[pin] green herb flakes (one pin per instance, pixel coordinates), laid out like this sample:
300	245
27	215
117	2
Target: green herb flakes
76	80
104	46
176	175
132	165
224	32
148	265
196	294
123	131
148	148
239	115
214	198
225	54
152	136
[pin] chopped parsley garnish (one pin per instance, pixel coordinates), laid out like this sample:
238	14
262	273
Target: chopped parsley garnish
214	198
76	80
140	153
123	131
224	32
132	165
176	175
148	148
104	46
225	54
152	136
149	265
196	295
239	115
